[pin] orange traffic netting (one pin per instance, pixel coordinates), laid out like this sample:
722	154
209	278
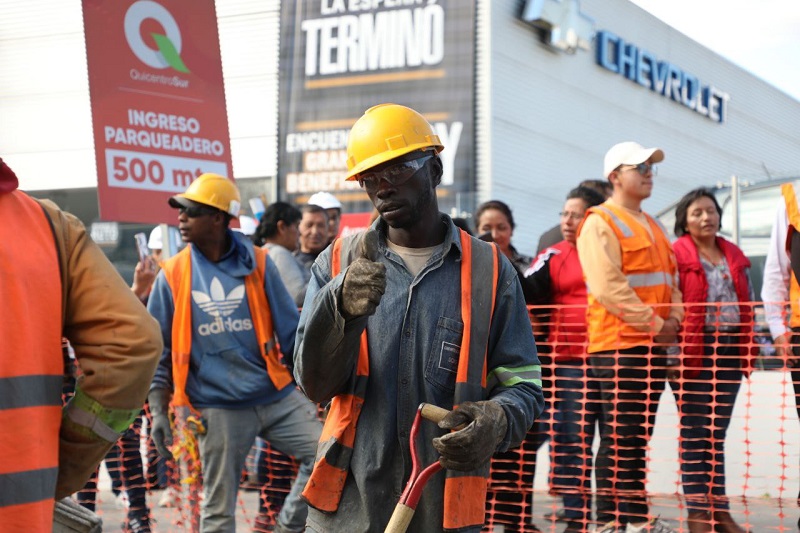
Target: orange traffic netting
704	428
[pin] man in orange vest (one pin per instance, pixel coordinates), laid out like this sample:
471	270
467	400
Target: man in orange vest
226	318
57	283
629	268
781	270
413	310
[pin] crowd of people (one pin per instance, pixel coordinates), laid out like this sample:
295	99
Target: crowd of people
414	310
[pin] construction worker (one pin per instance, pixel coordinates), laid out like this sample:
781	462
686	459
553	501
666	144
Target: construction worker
402	314
57	283
333	208
632	317
225	317
780	285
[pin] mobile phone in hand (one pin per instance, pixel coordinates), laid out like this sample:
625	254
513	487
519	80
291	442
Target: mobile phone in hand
141	246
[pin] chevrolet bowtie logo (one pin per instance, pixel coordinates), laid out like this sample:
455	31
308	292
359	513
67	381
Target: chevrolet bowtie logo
566	27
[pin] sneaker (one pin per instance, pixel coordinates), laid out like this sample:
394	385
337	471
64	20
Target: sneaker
610	527
169	498
121	501
656	525
136	524
556	516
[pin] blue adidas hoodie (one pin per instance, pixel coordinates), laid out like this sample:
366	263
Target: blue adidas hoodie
226	368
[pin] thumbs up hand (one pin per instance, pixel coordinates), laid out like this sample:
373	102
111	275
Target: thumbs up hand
364	281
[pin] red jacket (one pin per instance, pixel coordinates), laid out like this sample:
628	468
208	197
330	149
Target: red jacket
694	286
556	277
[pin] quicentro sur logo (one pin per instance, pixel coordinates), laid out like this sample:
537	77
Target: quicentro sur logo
168	53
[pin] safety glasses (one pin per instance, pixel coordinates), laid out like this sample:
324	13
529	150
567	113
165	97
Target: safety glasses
395	175
195	211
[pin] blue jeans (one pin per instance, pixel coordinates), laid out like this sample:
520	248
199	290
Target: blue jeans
290	425
705	404
576	410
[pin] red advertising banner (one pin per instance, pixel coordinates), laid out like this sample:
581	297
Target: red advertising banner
158	102
353	223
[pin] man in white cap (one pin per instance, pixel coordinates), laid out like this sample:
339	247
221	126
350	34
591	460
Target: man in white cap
630	274
333	208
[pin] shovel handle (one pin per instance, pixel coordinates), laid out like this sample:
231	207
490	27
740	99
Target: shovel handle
432	412
401	517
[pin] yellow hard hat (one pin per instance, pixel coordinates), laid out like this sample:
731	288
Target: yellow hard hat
211	189
387	131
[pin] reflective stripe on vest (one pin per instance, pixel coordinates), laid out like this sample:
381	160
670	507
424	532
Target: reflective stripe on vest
178	273
648	265
32	367
793	215
464	492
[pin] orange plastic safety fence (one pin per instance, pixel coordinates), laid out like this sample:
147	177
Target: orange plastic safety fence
712	436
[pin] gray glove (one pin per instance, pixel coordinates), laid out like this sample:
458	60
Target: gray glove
161	432
365	280
472	447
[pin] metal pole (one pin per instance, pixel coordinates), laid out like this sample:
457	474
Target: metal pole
735	201
168	245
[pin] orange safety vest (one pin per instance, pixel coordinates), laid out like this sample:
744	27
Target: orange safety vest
32	367
464	492
178	273
650	269
793	214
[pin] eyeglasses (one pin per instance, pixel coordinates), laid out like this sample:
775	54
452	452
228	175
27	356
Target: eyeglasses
395	175
195	211
642	168
573	216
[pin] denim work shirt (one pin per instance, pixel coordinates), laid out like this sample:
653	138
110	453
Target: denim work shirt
414	341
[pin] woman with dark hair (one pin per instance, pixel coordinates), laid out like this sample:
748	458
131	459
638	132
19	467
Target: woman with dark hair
556	278
494	218
278	232
715	282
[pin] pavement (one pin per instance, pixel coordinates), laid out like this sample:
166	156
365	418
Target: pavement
759	515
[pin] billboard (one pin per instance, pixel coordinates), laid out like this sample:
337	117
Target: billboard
158	103
339	58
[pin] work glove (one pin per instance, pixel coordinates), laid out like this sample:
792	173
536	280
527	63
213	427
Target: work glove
161	432
471	448
365	280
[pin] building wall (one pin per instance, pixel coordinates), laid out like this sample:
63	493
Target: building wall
554	115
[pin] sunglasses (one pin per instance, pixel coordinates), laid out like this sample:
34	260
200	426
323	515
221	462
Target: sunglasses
641	168
195	211
395	175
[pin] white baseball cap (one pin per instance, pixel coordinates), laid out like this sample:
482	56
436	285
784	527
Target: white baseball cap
325	200
629	153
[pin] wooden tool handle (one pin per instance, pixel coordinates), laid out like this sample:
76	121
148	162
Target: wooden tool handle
433	413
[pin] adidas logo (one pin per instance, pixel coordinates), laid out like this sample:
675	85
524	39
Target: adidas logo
219	305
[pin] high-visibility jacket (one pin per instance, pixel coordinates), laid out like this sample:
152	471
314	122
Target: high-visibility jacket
694	287
650	270
793	214
32	367
178	274
465	492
